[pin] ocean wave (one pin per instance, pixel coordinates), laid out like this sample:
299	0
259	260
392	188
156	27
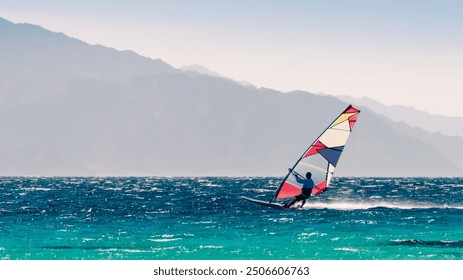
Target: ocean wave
348	205
427	243
159	218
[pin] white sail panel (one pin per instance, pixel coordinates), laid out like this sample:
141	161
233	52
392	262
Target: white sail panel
334	137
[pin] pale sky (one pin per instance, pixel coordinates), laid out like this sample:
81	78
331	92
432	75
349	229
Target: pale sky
407	52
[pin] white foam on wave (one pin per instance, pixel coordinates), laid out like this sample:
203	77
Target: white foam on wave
124	250
165	239
210	247
32	189
347	249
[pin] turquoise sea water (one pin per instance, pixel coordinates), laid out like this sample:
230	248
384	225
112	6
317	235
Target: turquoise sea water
204	218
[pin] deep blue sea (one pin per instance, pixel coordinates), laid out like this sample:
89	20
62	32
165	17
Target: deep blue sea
151	218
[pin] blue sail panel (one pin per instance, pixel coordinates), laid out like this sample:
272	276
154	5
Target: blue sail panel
332	155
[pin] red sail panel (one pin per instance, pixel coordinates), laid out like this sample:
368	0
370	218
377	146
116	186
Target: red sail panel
352	121
288	190
319	189
351	109
314	149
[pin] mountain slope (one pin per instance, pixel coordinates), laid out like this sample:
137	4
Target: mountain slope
69	108
168	124
37	64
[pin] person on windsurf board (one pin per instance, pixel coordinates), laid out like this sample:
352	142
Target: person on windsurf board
323	155
306	191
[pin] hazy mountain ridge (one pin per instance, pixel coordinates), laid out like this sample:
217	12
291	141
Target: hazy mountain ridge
49	61
446	145
153	119
201	70
451	126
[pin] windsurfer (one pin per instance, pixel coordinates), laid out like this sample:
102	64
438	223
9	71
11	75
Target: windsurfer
306	191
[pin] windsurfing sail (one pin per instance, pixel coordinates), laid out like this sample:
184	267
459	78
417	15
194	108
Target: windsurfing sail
321	157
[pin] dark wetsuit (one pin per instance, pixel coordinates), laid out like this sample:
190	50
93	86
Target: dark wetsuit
307	186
